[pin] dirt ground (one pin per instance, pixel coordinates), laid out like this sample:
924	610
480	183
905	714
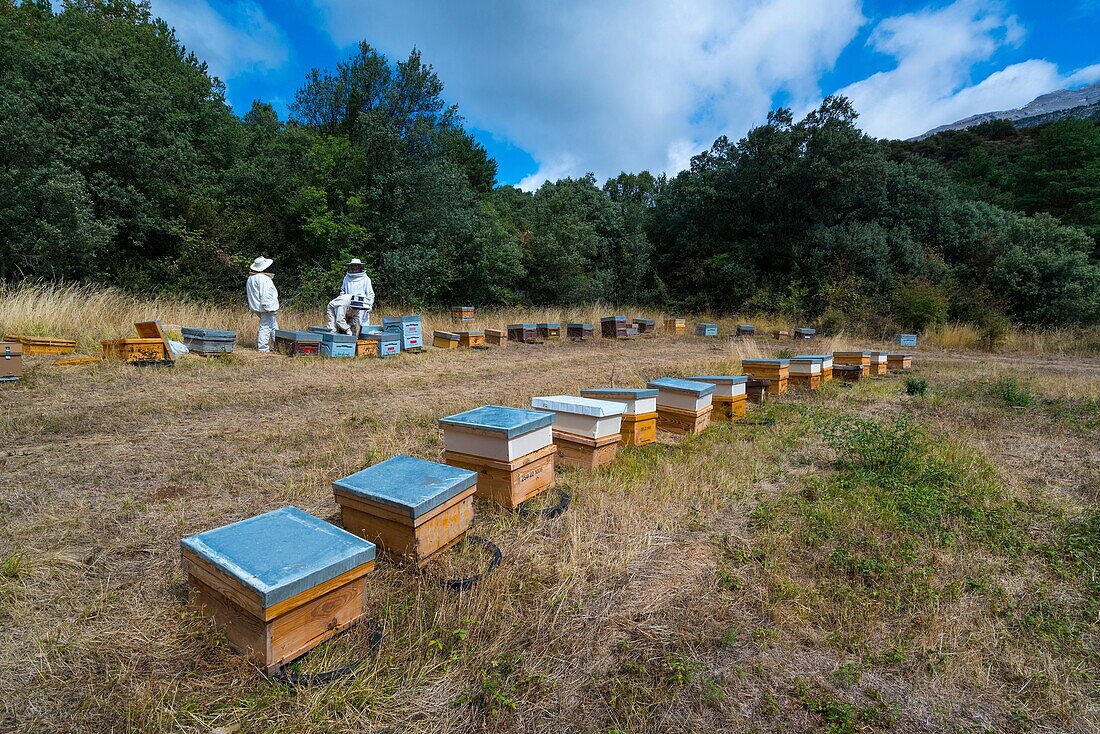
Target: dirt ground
660	601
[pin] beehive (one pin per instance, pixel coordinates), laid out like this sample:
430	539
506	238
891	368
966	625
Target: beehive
826	364
776	371
137	351
338	345
646	327
523	333
278	584
757	390
11	361
389	343
511	450
805	333
683	406
878	364
613	327
462	314
806	373
703	328
586	430
445	339
409	328
473	338
782	334
366	348
208	341
549	330
579	332
860	359
494	337
410	508
35	345
639	419
848	372
676	326
907	340
729	395
297	343
899	362
746	330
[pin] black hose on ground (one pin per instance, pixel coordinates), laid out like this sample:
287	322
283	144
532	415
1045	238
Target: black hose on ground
318	679
549	512
464	583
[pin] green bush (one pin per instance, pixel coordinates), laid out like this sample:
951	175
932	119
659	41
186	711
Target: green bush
916	386
1012	392
919	304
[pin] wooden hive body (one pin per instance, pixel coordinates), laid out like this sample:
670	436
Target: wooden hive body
806	373
879	366
411	508
703	328
861	359
548	330
613	327
646	327
338	345
389	343
11	361
297	343
804	333
899	362
462	314
729	395
473	338
586	430
208	341
495	337
639	420
136	351
776	371
523	333
683	406
756	391
35	345
826	364
676	326
746	330
578	332
278	584
445	339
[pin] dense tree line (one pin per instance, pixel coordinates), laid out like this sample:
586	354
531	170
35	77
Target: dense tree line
120	162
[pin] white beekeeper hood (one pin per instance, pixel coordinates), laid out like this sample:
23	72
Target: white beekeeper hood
261	264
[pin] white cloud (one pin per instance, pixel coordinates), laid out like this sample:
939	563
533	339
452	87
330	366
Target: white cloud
937	51
237	37
613	85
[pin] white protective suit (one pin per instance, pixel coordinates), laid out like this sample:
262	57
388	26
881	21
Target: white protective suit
263	300
343	317
358	284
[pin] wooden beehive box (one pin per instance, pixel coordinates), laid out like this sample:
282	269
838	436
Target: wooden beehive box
878	366
746	330
549	330
756	391
278	584
137	351
512	451
676	326
35	345
646	327
806	373
366	348
297	343
907	340
639	419
729	395
805	333
208	341
467	339
826	364
899	362
861	359
411	508
777	371
11	361
848	372
586	430
703	328
462	314
445	339
494	337
683	406
579	332
523	333
388	342
338	345
782	334
613	327
409	328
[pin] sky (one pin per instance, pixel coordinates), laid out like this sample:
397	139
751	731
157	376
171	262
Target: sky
556	88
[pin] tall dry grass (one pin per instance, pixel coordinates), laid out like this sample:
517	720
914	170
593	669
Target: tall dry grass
1080	341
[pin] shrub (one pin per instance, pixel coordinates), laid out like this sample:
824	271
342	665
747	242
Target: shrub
920	304
916	386
1012	392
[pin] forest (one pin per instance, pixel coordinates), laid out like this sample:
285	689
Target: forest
121	163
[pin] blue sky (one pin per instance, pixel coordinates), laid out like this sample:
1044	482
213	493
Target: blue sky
561	88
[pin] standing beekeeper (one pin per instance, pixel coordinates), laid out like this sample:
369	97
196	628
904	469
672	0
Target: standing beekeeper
357	283
263	300
346	313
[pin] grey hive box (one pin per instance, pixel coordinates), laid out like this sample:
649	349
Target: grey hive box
412	508
208	341
278	584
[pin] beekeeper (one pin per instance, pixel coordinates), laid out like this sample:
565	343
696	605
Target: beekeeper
357	283
346	312
263	300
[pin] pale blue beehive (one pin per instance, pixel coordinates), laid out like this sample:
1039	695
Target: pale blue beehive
632	393
703	328
768	362
509	422
407	484
907	340
280	554
676	384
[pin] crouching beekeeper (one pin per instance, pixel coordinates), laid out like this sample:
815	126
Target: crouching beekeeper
357	283
348	314
263	300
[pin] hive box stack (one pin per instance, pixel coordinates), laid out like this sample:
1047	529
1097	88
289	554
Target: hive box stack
462	315
11	361
907	340
150	346
805	334
856	359
579	332
586	430
523	333
387	343
702	328
549	330
297	343
495	337
746	330
278	584
676	326
36	345
338	345
639	420
683	406
826	365
806	373
899	362
209	341
776	371
511	450
445	339
729	395
878	363
646	327
410	330
613	327
411	508
472	338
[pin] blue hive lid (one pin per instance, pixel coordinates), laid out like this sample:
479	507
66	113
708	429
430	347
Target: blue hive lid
216	334
510	422
549	325
613	318
298	336
745	326
722	379
780	362
579	326
644	321
632	393
899	354
282	553
337	338
407	319
812	356
865	353
675	384
521	326
578	406
448	335
413	486
805	330
808	358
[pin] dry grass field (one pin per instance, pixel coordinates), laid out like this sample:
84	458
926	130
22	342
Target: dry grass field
872	561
